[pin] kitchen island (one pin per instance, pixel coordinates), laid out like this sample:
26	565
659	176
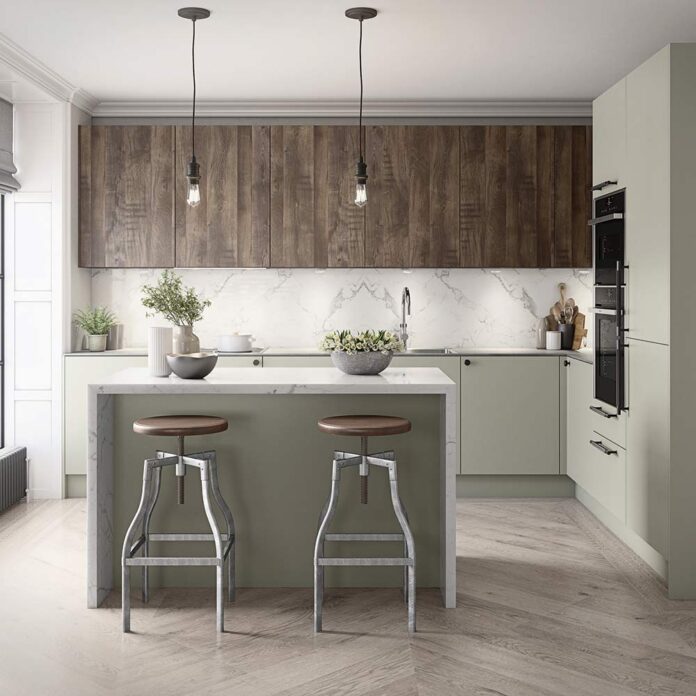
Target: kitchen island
275	466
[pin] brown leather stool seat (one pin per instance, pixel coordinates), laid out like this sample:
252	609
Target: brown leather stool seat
180	426
364	426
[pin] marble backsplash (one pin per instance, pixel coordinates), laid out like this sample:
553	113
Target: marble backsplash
481	308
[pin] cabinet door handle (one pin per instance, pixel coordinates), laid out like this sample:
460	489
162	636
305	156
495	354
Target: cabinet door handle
601	412
467	362
602	447
257	362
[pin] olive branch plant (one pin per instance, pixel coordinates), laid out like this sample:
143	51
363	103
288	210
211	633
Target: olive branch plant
179	305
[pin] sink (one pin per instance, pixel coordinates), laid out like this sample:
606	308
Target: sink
426	351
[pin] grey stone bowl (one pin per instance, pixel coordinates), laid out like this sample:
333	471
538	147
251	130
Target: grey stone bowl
192	365
368	363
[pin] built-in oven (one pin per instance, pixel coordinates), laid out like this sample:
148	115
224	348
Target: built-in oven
609	293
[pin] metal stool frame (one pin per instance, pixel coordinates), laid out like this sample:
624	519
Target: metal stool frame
344	460
152	473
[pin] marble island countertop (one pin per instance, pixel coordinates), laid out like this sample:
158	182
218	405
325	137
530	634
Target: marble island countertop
280	380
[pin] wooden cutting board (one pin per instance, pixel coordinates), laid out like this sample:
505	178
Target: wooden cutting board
580	331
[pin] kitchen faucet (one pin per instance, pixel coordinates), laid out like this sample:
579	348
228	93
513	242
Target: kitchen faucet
405	307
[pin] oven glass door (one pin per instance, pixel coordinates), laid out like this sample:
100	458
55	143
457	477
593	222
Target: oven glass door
606	359
609	243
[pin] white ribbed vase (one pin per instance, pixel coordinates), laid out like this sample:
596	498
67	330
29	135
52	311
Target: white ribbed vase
159	343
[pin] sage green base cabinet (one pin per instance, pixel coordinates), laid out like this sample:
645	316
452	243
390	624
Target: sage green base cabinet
510	415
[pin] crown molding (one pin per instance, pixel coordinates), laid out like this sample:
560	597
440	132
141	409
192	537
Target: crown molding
348	108
40	75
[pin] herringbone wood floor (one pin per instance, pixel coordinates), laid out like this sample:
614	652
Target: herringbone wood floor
549	603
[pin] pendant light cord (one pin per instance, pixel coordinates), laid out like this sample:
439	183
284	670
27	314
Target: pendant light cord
360	131
193	113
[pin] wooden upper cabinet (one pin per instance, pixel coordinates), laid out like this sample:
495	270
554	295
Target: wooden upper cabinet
573	197
126	196
230	226
525	196
506	196
413	196
314	222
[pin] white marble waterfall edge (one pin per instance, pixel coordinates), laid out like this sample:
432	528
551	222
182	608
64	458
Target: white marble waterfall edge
319	380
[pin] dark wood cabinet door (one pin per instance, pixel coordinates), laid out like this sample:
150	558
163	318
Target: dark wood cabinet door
573	196
413	196
127	196
506	196
314	222
231	225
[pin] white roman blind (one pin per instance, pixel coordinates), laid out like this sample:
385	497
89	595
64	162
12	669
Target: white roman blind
8	183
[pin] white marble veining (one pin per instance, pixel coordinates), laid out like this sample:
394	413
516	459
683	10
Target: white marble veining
250	380
450	307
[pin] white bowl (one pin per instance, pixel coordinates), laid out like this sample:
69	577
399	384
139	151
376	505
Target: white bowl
235	343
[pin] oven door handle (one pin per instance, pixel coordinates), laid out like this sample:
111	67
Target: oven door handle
605	218
608	312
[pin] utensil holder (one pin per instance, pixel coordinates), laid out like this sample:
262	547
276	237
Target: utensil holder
567	335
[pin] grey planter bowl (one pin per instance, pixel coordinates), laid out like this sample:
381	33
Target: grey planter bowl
361	363
192	365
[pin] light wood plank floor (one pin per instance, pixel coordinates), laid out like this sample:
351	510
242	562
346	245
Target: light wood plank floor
549	603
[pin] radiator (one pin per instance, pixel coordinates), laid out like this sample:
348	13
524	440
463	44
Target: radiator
13	476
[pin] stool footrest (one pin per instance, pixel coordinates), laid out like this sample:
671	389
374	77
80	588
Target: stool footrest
171	561
186	537
376	536
364	562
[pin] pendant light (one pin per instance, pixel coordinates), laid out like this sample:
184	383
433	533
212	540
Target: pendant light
193	169
361	14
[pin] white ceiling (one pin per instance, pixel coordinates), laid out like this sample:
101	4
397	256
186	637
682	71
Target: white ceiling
307	49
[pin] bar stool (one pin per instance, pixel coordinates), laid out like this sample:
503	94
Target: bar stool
364	427
205	462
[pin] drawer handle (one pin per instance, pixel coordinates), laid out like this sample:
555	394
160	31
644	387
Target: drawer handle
257	362
605	414
602	447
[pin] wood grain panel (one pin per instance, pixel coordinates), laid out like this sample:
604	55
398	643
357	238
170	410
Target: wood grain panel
496	178
545	196
572	177
128	217
230	226
472	192
314	222
412	213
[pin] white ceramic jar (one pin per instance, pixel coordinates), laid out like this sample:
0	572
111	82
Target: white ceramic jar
553	340
235	343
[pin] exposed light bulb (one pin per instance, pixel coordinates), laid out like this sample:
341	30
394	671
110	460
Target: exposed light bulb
361	195
193	197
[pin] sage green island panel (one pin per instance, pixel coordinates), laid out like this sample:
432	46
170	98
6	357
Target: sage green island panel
510	415
275	472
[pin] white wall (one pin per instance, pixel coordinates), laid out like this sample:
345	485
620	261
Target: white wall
292	308
39	232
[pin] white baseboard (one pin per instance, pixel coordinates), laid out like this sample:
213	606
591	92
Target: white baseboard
638	545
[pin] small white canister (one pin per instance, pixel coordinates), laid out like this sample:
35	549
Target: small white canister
159	343
235	343
553	340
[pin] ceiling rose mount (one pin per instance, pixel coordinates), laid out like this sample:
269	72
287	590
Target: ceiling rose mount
361	14
194	13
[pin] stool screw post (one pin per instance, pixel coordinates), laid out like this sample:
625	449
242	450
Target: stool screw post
364	470
181	470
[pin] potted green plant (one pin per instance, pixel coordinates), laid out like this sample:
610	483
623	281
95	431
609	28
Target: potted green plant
179	305
363	353
95	322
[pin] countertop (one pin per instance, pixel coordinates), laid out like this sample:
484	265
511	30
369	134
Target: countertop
584	354
281	380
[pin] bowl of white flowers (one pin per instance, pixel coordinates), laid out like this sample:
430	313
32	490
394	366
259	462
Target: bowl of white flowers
364	353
